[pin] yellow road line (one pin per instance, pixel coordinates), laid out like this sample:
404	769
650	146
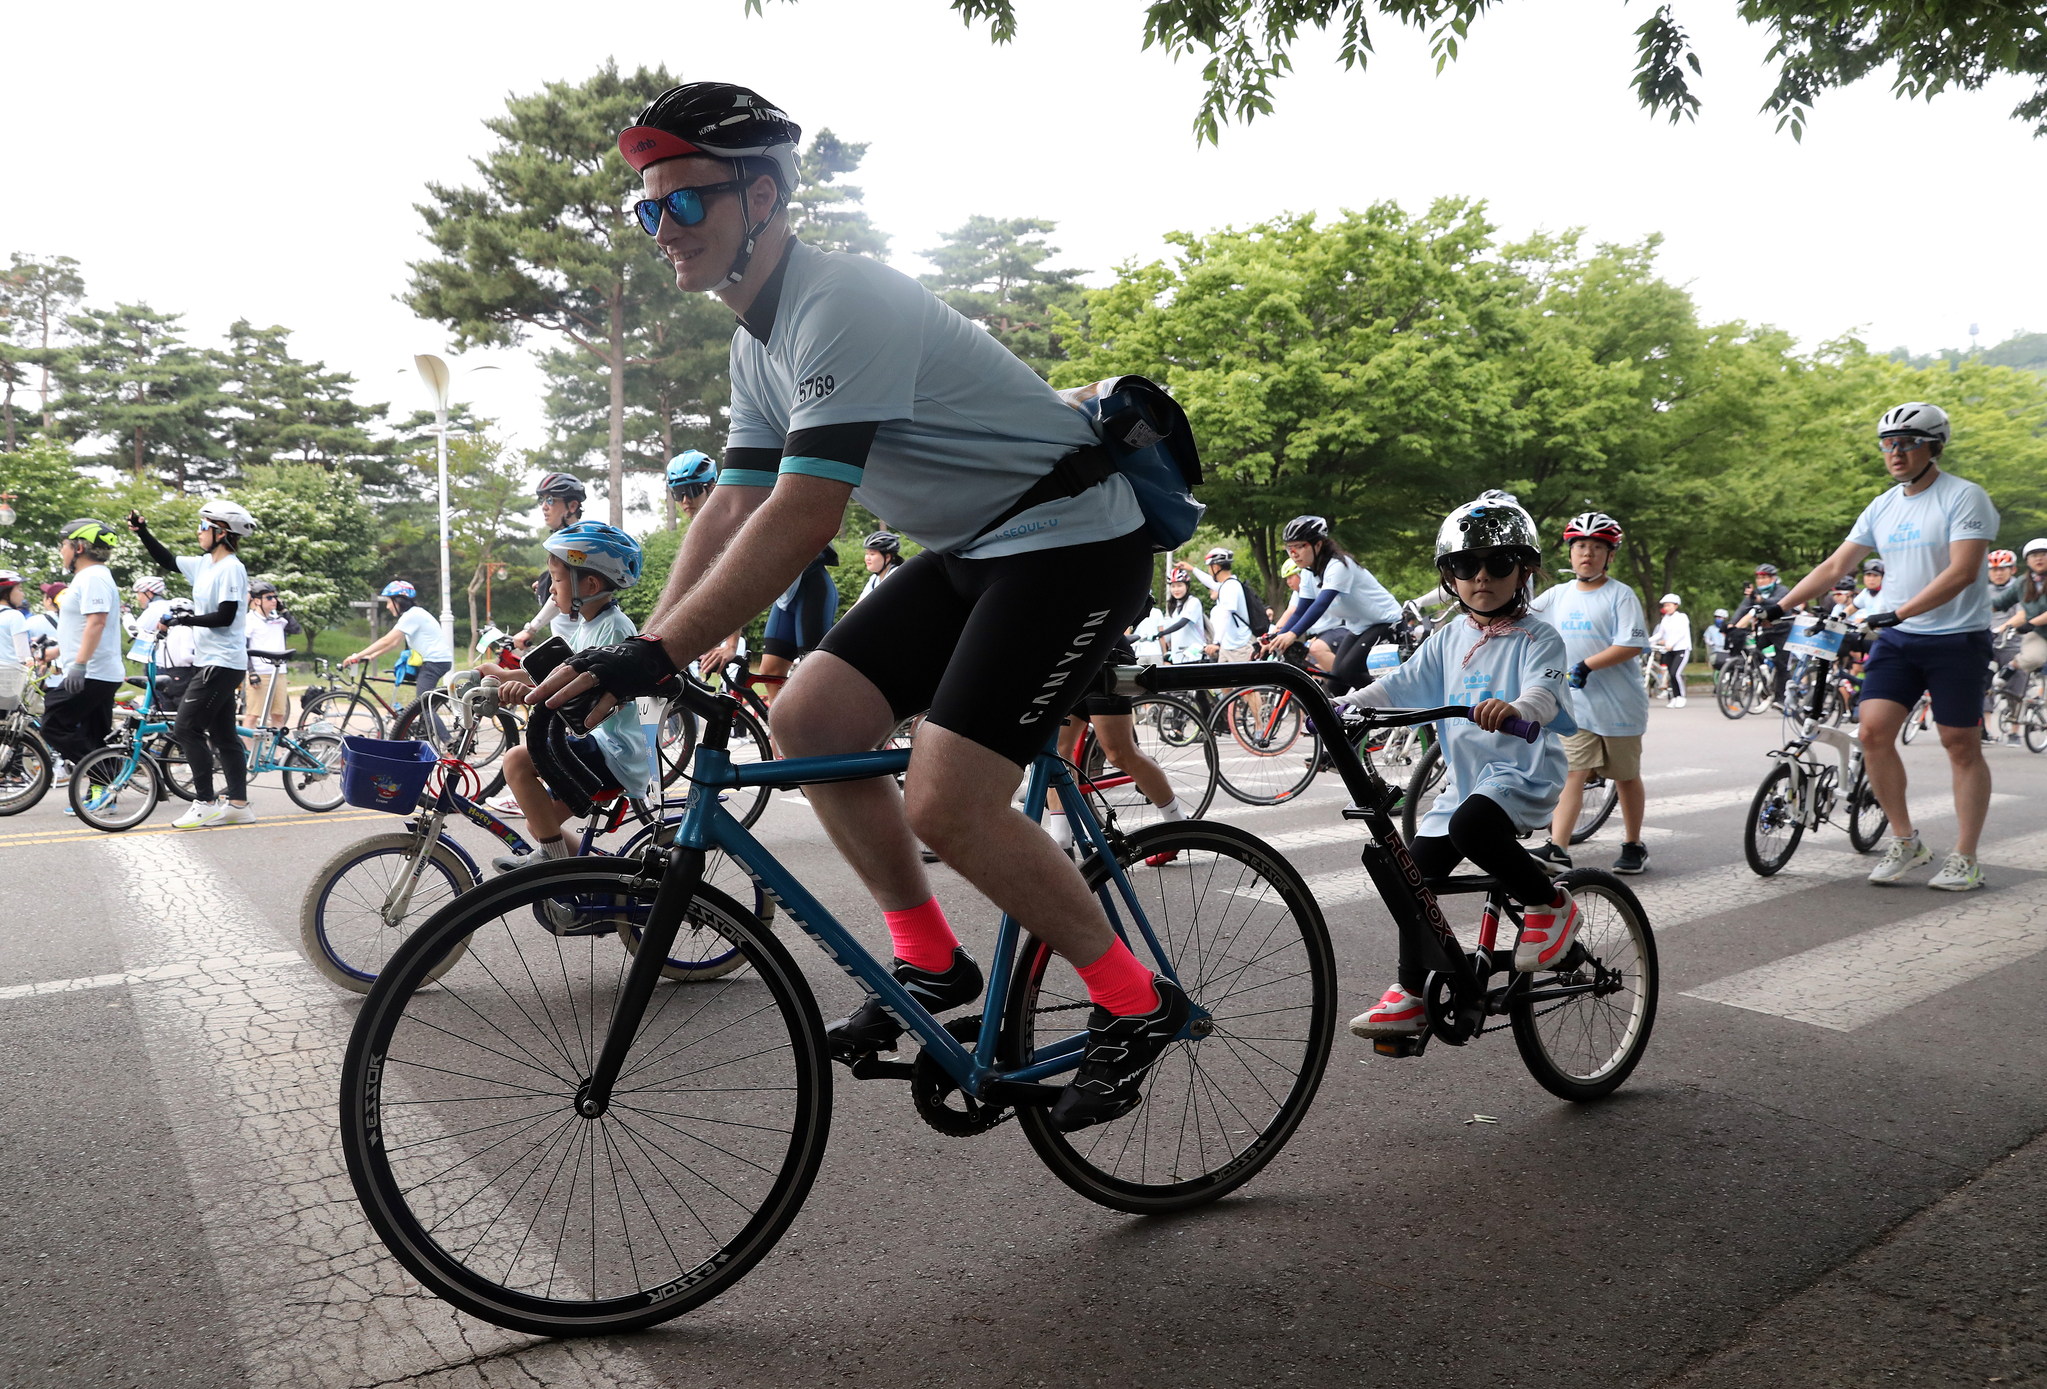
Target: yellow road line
86	832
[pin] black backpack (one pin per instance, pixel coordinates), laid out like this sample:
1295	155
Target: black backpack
1254	611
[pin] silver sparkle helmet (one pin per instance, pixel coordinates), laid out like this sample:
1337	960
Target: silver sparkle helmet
1496	520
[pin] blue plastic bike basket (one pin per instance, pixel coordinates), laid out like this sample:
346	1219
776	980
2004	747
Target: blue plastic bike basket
378	774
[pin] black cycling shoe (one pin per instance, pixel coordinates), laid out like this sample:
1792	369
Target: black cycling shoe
1120	1051
872	1028
1554	860
1634	858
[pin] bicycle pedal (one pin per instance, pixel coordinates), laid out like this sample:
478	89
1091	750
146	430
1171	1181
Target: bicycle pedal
869	1066
1398	1047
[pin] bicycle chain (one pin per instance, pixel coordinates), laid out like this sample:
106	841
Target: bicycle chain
931	1086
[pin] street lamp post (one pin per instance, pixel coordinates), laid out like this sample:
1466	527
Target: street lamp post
434	372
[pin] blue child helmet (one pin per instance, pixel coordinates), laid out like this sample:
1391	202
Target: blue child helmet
397	588
599	548
691	469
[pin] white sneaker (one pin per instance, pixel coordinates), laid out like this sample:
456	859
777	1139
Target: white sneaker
505	804
60	775
1900	858
200	814
232	814
1959	873
1546	935
1678	703
1397	1014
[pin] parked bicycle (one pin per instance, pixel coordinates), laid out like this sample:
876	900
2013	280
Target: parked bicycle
27	763
467	1081
1801	792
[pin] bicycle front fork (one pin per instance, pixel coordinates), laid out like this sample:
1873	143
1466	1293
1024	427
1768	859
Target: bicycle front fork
678	885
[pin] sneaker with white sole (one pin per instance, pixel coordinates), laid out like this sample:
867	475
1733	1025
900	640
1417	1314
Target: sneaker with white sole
1398	1013
1900	858
236	814
1959	873
1678	703
1546	934
200	814
504	805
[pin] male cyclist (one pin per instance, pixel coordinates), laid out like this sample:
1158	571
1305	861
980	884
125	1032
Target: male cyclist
691	476
1767	589
846	374
561	504
1601	621
1933	633
1235	632
78	713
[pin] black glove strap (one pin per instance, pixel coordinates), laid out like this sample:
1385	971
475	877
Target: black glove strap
631	669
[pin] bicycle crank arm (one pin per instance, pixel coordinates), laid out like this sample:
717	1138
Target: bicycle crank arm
664	919
1020	1092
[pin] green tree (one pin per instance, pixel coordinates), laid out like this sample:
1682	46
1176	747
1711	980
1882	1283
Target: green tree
316	539
1245	46
486	496
288	410
44	486
37	296
827	214
133	380
547	242
992	269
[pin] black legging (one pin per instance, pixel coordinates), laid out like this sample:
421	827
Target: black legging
1482	832
1347	661
206	721
1674	669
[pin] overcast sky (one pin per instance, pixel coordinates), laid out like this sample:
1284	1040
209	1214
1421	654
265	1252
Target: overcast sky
262	160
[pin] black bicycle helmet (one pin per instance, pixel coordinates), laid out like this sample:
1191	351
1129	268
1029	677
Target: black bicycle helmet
560	485
1874	566
884	542
259	588
1305	530
723	121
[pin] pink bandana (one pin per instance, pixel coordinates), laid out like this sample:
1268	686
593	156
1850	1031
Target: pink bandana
1489	630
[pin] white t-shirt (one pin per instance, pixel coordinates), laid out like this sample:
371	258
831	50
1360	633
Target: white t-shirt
421	632
145	629
1232	600
13	637
966	426
1673	633
1144	638
1614	703
267	639
1867	599
1913	534
1185	645
217	581
1361	600
92	590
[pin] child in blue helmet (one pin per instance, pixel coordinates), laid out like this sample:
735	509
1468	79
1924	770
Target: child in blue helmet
589	563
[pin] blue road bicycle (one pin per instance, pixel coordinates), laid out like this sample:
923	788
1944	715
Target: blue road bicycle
116	786
555	1139
362	903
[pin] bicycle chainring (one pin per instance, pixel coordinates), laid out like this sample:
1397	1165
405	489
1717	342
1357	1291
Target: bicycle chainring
938	1097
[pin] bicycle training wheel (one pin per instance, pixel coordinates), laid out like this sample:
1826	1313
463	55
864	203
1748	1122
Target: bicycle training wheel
346	918
1774	823
26	763
1866	819
472	1162
114	788
1424	784
312	771
351	714
1601	796
1267	748
1251	950
1170	732
1583	1045
1730	690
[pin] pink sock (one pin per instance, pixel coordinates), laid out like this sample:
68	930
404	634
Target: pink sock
1119	983
922	937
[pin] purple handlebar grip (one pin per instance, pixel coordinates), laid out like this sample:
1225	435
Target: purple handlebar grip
1522	729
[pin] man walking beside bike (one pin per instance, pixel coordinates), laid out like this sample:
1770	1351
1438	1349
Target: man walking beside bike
78	713
1933	633
846	374
1600	619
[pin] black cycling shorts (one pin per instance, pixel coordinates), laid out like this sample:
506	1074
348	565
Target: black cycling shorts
798	628
998	650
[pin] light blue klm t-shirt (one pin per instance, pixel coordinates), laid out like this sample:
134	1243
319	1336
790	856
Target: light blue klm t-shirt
1614	702
625	749
1913	534
1360	602
966	426
217	581
93	590
1454	666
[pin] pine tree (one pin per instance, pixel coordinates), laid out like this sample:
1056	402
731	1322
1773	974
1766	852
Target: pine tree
992	269
828	215
286	410
36	295
133	380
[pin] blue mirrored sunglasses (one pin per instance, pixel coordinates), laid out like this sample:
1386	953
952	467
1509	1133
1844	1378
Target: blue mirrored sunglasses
685	205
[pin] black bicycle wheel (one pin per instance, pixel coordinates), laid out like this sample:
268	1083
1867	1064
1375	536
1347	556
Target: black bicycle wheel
352	918
492	737
465	1146
1866	819
1267	749
1774	823
749	745
1424	784
1601	796
1252	953
2034	729
1917	720
115	787
353	715
1730	690
312	771
676	742
698	953
26	765
1171	733
172	762
1582	1046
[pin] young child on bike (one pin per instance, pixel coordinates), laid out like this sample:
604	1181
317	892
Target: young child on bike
1504	663
590	563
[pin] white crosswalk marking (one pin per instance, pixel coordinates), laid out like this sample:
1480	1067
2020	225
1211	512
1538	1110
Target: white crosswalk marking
247	1053
1854	982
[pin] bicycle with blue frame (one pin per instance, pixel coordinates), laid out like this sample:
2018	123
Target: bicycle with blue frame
552	1138
363	902
116	786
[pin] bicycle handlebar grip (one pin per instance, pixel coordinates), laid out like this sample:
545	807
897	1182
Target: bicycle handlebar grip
1523	729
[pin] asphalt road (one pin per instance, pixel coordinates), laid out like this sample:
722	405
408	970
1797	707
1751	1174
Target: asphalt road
1819	1175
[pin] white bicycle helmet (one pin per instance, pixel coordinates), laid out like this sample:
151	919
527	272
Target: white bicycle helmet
2032	545
148	586
1670	598
1917	419
231	517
